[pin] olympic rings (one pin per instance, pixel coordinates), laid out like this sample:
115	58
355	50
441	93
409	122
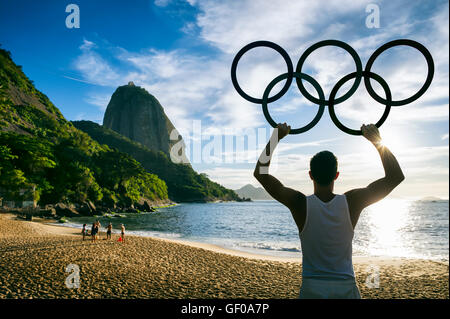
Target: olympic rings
366	75
268	44
332	101
297	76
415	45
320	44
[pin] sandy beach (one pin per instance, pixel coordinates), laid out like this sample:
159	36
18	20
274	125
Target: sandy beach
34	257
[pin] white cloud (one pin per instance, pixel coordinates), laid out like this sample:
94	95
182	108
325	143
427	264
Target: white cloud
231	25
194	86
99	100
230	176
87	45
189	28
94	67
190	85
426	165
162	3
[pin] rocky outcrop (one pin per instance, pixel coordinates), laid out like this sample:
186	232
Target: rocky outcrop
66	210
136	114
145	206
87	208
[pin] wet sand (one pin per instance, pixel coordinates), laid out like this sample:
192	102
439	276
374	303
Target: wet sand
34	257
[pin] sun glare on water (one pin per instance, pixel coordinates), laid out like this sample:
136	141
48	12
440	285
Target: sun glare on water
387	218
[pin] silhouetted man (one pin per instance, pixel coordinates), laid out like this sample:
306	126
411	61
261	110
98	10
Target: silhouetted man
325	220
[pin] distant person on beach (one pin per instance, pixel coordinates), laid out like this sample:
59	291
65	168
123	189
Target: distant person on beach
122	233
94	230
108	231
325	220
84	231
98	227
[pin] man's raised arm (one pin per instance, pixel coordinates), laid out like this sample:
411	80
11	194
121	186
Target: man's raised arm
272	185
360	198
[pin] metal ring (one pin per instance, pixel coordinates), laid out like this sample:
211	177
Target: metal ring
318	45
276	47
366	74
332	101
415	45
297	76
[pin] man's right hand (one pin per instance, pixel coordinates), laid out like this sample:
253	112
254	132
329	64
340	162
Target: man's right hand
371	133
360	198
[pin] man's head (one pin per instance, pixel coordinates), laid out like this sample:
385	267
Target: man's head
323	168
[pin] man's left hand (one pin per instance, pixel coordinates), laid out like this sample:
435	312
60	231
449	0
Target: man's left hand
283	130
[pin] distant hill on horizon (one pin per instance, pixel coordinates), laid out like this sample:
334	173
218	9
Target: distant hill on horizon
429	198
254	193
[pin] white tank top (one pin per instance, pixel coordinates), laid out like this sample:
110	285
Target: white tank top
326	239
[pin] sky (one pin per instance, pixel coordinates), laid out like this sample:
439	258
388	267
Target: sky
181	52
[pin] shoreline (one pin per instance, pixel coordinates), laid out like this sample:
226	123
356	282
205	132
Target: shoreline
241	253
34	256
211	247
236	246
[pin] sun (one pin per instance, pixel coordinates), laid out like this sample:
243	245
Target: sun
395	140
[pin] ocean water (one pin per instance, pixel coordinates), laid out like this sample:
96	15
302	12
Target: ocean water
400	228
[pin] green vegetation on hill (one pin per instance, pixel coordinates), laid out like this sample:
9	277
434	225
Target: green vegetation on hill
41	150
36	112
183	183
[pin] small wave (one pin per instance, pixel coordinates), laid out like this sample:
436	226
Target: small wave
268	246
142	233
149	233
68	224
